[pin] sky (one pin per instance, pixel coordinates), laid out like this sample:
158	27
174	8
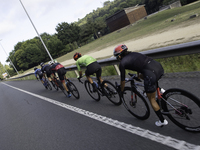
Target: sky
15	25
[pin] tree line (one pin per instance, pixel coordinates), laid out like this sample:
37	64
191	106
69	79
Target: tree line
70	36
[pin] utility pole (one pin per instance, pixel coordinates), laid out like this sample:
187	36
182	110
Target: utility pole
36	31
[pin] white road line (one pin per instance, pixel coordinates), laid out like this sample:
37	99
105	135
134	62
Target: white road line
162	139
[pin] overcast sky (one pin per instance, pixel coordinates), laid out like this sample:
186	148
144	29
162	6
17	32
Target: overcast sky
46	14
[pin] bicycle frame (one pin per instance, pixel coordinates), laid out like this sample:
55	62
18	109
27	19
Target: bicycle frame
160	98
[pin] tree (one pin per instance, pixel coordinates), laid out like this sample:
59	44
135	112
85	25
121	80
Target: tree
106	3
33	55
55	46
68	33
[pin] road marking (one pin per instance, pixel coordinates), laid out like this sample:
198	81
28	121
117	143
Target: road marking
162	139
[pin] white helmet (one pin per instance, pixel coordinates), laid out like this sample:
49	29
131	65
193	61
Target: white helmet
51	62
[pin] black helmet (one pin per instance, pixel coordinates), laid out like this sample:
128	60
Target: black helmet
42	64
35	68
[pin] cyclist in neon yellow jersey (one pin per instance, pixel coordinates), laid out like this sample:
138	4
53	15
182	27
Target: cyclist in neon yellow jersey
92	66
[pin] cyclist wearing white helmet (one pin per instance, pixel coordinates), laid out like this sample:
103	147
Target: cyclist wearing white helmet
45	68
147	68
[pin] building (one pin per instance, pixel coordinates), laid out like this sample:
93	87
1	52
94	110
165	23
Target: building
125	17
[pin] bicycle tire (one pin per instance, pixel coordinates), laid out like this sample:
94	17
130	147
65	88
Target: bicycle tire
187	114
111	92
54	85
62	88
48	85
141	109
72	88
89	89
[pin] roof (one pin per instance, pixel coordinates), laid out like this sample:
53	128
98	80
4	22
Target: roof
127	10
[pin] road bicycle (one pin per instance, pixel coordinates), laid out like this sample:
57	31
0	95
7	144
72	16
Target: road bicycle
180	106
46	83
70	85
106	88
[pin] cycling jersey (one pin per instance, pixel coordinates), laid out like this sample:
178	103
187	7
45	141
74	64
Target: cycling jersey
60	69
56	66
84	61
151	69
133	61
39	73
46	69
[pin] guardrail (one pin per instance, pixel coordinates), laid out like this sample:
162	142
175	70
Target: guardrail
169	51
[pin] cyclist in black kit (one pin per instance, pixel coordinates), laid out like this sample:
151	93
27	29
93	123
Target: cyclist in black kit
60	69
38	73
147	69
45	68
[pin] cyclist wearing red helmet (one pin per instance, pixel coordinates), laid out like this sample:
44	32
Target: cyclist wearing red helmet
92	66
147	68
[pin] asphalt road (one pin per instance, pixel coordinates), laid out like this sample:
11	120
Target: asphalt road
33	118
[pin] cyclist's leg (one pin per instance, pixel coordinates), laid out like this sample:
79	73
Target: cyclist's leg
87	74
61	73
150	84
41	78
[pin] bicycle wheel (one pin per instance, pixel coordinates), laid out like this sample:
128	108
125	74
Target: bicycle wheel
183	109
54	85
89	89
62	88
72	88
140	108
111	92
48	85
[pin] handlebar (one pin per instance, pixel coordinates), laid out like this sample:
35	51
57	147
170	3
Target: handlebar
79	79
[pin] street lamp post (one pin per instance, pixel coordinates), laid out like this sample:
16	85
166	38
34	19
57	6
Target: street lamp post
36	31
9	59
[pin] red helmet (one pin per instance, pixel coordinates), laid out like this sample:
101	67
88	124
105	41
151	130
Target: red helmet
77	55
120	49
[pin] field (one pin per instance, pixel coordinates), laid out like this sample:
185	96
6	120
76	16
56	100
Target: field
165	28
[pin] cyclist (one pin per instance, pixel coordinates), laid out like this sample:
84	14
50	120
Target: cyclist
60	69
147	69
45	68
92	66
39	73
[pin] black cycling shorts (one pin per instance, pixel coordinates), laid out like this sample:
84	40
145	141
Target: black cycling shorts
61	74
40	74
48	73
93	68
152	72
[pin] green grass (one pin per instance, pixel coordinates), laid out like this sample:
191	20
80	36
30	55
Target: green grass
157	23
154	24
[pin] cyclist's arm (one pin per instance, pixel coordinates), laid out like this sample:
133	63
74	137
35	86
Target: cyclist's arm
79	69
35	74
80	74
122	73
